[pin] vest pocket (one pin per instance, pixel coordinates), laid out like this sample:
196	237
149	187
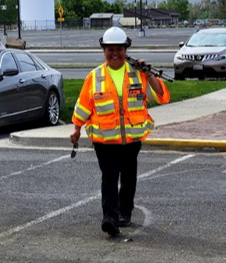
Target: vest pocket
104	103
134	104
137	120
110	130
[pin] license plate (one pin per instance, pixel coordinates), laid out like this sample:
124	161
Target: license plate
198	67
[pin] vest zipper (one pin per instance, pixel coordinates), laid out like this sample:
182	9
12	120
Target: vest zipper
121	114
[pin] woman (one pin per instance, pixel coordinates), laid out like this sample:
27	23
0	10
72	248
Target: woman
112	103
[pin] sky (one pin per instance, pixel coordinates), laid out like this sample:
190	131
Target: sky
130	1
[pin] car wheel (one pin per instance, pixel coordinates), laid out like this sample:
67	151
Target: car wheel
52	110
179	77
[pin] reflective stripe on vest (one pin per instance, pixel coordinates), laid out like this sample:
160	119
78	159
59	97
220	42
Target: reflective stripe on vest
110	134
134	132
80	112
133	103
107	106
98	80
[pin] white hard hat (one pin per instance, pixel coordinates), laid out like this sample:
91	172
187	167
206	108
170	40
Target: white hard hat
115	35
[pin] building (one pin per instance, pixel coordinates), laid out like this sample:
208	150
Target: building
101	20
152	17
37	14
116	19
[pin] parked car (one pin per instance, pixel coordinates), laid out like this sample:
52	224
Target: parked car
199	22
202	56
29	89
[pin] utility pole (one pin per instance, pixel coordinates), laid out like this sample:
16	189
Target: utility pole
18	18
135	6
4	7
141	15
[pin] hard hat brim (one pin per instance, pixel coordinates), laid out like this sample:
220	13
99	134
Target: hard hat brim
105	43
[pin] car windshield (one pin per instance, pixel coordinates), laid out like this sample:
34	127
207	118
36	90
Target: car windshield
207	40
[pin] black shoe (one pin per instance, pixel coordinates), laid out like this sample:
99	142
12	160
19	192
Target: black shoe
124	221
109	226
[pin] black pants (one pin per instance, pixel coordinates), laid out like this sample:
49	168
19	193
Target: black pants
114	161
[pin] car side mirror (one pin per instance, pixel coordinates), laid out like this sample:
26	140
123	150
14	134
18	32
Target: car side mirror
181	44
10	72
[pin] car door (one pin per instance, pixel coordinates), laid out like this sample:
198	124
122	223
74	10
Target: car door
36	89
12	91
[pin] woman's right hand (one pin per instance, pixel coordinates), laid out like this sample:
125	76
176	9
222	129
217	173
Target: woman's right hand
76	135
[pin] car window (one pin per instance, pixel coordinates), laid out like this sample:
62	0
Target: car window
217	39
39	66
26	63
8	62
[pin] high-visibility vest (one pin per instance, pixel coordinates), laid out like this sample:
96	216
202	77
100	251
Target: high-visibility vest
113	119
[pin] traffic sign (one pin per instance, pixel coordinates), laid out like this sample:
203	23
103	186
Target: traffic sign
60	19
60	11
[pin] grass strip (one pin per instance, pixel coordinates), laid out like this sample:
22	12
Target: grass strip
179	91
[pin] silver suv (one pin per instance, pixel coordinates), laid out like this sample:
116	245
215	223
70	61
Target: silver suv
202	56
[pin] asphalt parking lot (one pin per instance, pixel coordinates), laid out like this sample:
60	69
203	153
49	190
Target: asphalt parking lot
50	209
166	37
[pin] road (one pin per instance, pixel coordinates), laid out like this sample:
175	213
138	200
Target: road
98	57
50	209
164	58
81	73
90	38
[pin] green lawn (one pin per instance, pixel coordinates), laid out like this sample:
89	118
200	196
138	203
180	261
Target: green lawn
179	90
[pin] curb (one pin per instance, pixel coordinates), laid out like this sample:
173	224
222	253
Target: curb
84	142
50	142
205	145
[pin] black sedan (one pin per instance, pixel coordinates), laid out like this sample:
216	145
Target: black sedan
29	89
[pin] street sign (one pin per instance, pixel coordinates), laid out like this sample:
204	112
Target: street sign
60	11
60	19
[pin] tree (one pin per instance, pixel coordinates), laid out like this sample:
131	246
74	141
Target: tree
181	7
153	4
222	9
77	9
194	11
107	7
10	12
163	5
117	8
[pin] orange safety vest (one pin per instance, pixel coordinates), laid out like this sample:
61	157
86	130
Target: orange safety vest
113	119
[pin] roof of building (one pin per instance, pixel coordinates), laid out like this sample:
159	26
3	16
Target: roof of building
102	15
154	13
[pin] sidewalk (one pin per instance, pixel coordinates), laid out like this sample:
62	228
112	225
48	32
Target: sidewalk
195	123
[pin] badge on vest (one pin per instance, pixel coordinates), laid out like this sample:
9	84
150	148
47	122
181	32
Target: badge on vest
100	78
140	96
132	75
135	86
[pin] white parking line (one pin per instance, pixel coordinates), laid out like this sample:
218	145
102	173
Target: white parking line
50	215
144	175
34	167
84	201
148	219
